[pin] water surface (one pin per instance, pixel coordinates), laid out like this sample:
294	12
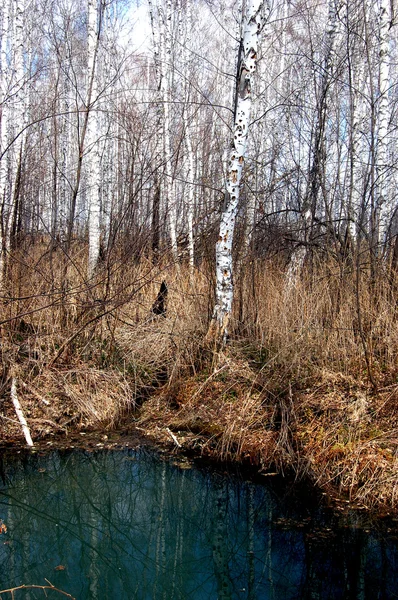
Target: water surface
127	525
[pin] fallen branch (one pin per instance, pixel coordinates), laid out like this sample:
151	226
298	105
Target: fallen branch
19	412
50	586
173	437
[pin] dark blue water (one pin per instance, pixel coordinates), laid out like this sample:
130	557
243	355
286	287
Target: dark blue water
127	525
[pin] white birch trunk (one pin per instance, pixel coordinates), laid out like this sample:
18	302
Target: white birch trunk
159	192
61	211
92	144
4	134
224	283
165	67
188	128
358	150
190	202
383	203
107	128
15	118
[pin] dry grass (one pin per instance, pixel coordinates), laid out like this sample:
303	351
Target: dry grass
166	347
295	388
78	397
316	325
224	412
349	436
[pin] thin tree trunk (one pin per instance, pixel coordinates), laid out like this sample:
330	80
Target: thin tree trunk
14	118
93	52
92	143
219	325
316	174
4	135
383	203
165	68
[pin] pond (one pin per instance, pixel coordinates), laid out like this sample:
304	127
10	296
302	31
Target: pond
117	525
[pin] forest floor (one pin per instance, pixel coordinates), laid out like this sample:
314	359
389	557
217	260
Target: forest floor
294	392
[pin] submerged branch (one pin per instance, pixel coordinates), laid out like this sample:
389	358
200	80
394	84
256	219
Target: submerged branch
50	586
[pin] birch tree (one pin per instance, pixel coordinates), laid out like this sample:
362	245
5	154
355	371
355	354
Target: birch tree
164	201
5	32
13	121
318	159
165	65
92	144
247	61
88	155
383	202
156	196
188	117
356	28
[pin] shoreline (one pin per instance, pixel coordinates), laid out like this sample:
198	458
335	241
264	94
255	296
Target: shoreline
195	450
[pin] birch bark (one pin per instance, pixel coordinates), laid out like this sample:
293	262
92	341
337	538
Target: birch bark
19	412
19	120
188	129
158	138
13	120
165	67
383	203
5	32
87	138
60	213
357	82
92	146
191	190
219	325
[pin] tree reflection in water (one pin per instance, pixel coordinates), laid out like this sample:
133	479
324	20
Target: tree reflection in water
126	525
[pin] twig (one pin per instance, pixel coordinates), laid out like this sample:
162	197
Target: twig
8	419
204	384
173	437
19	412
75	335
50	586
35	393
49	422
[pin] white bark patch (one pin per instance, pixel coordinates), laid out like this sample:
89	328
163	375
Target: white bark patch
246	69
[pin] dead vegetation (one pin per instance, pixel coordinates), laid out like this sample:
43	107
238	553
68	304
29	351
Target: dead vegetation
308	382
